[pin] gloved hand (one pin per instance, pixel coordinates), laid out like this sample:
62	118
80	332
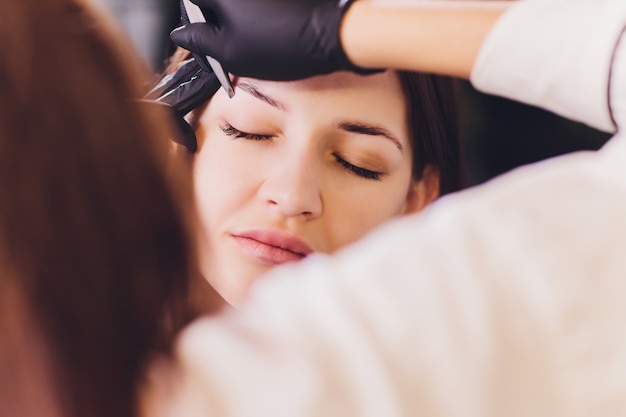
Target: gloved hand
181	92
271	39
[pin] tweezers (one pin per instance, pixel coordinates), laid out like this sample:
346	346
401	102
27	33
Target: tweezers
195	16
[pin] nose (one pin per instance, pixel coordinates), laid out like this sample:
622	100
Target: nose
293	189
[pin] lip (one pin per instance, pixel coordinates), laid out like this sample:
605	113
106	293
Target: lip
271	246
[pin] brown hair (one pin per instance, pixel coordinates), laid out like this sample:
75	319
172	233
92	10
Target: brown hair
432	115
93	231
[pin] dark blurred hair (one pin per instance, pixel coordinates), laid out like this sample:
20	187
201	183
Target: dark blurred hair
92	225
432	115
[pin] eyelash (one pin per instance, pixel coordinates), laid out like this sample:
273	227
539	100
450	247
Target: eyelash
229	130
361	172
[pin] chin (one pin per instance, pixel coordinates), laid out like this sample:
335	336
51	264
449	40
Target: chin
235	286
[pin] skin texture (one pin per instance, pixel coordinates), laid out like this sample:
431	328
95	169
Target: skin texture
447	34
292	181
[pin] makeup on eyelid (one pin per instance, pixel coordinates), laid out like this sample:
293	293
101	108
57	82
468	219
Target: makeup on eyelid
264	126
233	132
366	160
257	122
366	164
253	116
369	149
358	169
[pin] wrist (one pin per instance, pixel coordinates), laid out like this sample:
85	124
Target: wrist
354	34
441	37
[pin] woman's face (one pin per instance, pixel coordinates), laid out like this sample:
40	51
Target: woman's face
287	169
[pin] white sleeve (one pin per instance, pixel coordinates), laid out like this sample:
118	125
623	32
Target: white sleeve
338	339
474	307
555	54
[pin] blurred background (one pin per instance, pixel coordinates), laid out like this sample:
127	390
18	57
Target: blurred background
498	134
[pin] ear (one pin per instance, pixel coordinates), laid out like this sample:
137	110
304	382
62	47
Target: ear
423	192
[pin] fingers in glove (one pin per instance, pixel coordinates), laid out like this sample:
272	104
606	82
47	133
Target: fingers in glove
185	72
183	133
209	4
191	94
181	92
184	18
201	38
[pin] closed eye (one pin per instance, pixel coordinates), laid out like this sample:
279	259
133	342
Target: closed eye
229	130
361	172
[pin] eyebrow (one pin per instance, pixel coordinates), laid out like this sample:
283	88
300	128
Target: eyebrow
354	127
370	130
255	92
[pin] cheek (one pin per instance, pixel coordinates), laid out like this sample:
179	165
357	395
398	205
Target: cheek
356	210
219	181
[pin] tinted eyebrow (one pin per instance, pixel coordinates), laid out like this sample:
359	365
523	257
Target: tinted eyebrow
371	130
255	92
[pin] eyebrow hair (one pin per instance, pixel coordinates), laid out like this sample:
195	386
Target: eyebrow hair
255	92
371	130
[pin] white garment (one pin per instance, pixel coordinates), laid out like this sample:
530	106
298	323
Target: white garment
504	300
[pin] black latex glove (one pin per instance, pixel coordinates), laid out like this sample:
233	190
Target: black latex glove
187	88
201	59
180	92
270	39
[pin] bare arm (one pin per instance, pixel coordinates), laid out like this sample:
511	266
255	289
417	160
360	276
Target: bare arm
442	37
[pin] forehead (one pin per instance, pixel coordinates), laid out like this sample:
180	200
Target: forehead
343	80
340	90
